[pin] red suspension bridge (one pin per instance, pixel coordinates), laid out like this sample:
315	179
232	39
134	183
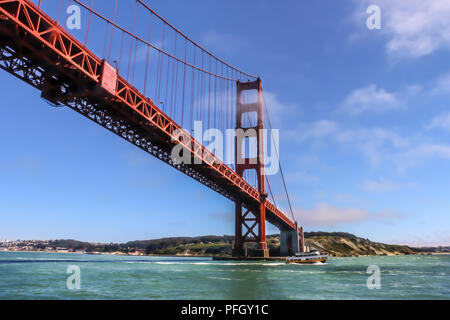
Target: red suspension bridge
126	68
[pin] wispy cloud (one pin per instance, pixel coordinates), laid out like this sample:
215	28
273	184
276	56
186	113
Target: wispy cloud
419	153
279	109
441	238
441	121
327	215
378	145
371	136
370	99
414	28
380	185
315	130
442	85
375	143
385	185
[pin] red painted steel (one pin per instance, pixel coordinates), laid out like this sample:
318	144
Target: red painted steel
37	41
258	217
109	78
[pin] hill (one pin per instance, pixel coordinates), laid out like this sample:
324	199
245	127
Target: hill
338	244
344	244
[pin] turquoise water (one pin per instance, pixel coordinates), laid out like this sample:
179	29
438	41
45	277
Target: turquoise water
30	275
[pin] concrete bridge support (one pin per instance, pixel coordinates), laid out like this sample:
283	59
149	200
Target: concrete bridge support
291	242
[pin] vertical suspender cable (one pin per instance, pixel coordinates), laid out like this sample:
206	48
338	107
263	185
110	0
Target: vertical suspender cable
131	42
89	23
148	53
279	162
121	51
112	30
191	119
161	68
184	84
59	11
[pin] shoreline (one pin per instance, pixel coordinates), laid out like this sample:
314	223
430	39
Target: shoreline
222	257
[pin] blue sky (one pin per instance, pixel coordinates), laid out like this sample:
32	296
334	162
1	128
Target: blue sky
364	124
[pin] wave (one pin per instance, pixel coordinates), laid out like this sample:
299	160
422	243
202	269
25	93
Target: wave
9	261
226	279
221	263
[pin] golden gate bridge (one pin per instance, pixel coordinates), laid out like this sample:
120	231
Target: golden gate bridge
132	72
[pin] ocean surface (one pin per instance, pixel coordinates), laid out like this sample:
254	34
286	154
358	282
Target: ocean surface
31	275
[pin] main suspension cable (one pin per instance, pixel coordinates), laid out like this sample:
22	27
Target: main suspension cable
162	51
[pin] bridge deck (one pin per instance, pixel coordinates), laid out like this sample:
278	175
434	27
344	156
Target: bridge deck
34	48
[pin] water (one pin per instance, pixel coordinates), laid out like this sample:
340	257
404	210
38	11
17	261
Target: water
30	275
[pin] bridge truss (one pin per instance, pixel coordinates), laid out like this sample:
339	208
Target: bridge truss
38	51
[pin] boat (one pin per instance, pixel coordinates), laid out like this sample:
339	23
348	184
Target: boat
307	257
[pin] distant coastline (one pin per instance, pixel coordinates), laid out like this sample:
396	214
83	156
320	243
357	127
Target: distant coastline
336	244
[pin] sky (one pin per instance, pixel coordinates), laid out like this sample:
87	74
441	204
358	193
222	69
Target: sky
364	123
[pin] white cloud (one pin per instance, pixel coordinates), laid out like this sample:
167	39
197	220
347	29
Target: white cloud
370	99
318	129
377	145
380	185
380	145
278	109
326	215
415	28
413	89
371	137
442	85
428	150
364	136
385	185
441	238
441	121
419	153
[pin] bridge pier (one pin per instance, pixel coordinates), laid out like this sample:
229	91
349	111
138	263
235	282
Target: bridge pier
255	224
262	250
291	242
238	248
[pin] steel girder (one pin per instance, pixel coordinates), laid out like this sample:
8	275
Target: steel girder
37	50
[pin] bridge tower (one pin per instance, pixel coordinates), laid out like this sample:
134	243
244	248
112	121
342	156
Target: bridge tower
252	218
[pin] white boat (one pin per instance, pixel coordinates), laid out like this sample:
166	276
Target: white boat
307	257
